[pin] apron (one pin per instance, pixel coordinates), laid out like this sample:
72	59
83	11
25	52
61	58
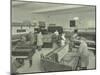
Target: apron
39	40
84	55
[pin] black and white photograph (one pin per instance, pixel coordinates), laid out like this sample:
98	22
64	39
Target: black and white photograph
52	37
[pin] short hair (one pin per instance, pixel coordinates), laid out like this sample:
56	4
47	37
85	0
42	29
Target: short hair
76	30
83	38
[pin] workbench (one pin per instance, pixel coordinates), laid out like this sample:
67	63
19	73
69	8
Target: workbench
58	60
22	52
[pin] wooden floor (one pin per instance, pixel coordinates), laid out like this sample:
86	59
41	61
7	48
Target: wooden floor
92	60
36	67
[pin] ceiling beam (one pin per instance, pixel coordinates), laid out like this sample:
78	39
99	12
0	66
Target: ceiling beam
19	3
56	8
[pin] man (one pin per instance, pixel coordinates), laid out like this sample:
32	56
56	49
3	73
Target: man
39	40
63	39
75	35
73	38
56	32
30	38
84	54
55	38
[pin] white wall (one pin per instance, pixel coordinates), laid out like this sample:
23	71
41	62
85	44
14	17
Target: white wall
19	15
86	18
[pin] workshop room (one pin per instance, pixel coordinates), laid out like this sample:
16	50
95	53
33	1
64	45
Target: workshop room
52	37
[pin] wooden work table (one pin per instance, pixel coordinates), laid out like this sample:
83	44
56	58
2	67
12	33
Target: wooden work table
59	60
20	53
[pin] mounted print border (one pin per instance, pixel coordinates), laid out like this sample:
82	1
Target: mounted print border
55	24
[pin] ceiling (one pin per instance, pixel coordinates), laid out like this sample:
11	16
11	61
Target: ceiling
40	7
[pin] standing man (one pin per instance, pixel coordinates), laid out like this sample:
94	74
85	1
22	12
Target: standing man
55	40
56	33
63	39
31	40
73	38
39	40
84	54
75	35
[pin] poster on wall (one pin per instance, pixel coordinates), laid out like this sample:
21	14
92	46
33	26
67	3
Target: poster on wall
53	51
72	23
